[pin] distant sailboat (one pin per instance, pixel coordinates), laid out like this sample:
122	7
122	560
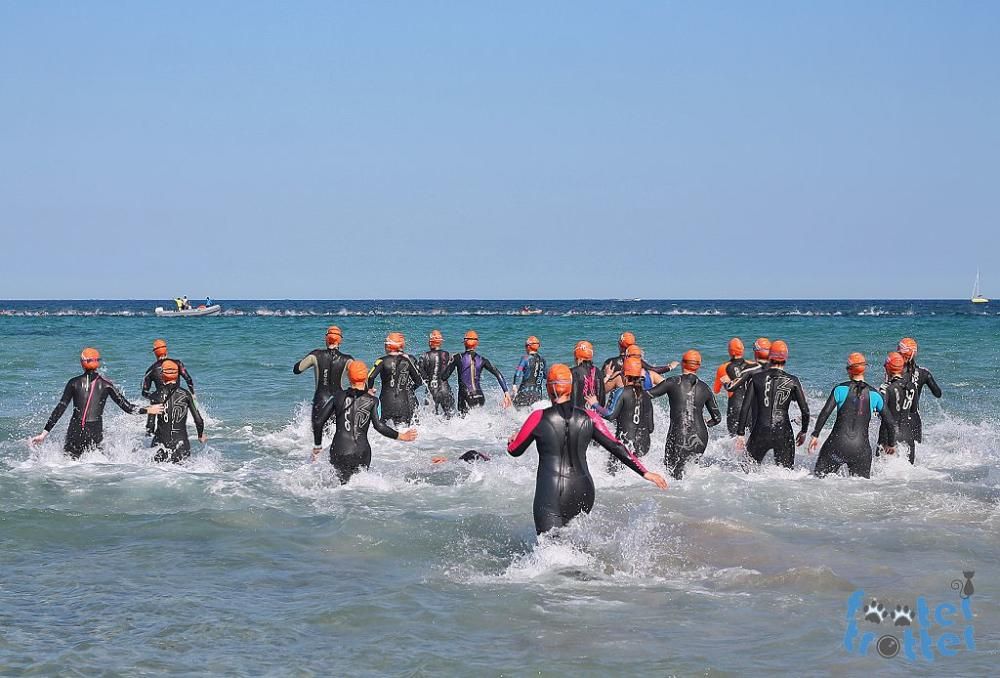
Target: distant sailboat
977	295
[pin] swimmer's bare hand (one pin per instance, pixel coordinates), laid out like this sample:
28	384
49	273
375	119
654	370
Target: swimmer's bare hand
890	450
656	479
202	439
408	435
813	444
438	459
40	438
673	365
591	400
724	379
154	409
801	439
315	454
506	401
741	443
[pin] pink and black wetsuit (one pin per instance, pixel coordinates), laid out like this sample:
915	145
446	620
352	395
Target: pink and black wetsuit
587	381
563	485
88	393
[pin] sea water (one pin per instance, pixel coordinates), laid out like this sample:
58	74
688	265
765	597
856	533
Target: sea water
250	560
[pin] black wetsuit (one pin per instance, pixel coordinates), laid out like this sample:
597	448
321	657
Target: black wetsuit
587	381
907	411
152	383
88	392
529	380
170	427
470	366
400	378
329	364
688	434
902	399
855	402
631	409
355	411
770	393
734	369
432	365
563	485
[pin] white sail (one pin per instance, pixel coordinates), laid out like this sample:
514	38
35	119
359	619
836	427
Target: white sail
977	296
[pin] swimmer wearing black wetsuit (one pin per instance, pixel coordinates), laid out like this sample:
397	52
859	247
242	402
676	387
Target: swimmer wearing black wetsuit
613	366
171	434
470	366
687	437
152	381
400	378
730	373
915	378
529	377
632	411
588	381
855	402
329	365
769	396
355	411
562	433
432	365
901	392
88	393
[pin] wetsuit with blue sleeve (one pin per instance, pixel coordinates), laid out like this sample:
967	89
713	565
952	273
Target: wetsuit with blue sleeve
855	402
529	380
631	408
432	365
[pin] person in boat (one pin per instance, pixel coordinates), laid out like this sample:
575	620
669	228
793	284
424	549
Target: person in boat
179	303
88	393
187	304
208	301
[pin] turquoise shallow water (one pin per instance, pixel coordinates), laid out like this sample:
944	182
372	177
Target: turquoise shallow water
249	560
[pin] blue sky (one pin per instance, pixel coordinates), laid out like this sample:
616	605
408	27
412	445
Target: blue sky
499	150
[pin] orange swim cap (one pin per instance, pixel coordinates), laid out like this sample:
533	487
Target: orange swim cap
170	371
762	348
632	367
532	341
778	353
471	339
583	351
159	348
907	347
894	363
559	380
395	341
90	358
856	364
435	339
736	348
633	351
625	340
333	335
357	372
691	360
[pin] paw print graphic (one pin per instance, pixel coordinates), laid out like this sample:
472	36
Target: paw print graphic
902	616
875	612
